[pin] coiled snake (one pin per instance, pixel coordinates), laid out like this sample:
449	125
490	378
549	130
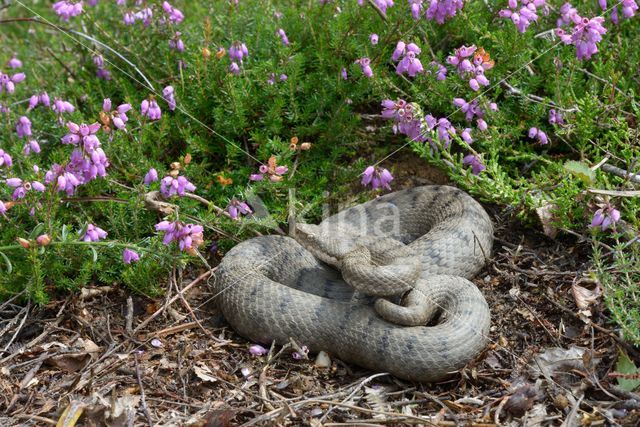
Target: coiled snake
424	242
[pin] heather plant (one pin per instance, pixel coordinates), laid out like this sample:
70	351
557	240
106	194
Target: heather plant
227	108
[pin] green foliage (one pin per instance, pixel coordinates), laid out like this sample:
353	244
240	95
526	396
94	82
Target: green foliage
228	125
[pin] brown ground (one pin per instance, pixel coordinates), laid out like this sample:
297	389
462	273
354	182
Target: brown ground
544	365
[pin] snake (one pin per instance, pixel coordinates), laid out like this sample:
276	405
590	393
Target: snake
331	288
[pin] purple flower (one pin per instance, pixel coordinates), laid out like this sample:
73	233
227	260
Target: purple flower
31	146
383	5
605	217
234	68
101	72
439	70
170	186
237	208
67	9
409	63
585	35
471	69
119	115
298	355
343	73
151	176
65	180
440	10
238	51
150	108
373	38
283	77
35	100
8	83
523	16
3	208
129	256
283	36
14	62
555	117
23	127
629	9
406	121
476	164
539	135
482	125
365	65
188	236
258	350
175	15
466	136
176	42
168	95
376	177
93	234
5	159
60	106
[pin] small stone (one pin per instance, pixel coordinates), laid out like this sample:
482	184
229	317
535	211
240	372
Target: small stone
323	360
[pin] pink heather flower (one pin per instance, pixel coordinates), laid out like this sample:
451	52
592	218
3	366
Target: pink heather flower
65	180
237	208
5	159
482	125
170	186
188	236
567	14
67	9
272	79
37	99
175	15
94	234
82	133
283	36
238	51
440	10
523	16
416	8
258	350
476	164
539	135
151	176
119	115
61	107
373	38
101	71
168	95
584	36
376	178
3	208
555	117
383	5
409	63
150	109
176	42
629	9
343	74
129	256
23	127
466	136
605	217
474	71
31	146
21	187
439	70
14	62
405	120
283	77
8	83
365	65
234	68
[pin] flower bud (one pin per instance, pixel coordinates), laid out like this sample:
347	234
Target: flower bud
206	53
305	146
43	240
23	242
220	53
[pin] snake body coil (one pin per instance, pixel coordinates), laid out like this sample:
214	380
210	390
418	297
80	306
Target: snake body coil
274	288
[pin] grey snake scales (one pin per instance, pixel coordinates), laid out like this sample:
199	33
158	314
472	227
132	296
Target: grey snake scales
277	288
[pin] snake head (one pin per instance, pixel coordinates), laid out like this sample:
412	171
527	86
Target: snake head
320	240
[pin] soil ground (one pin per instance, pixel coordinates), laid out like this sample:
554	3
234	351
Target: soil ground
102	358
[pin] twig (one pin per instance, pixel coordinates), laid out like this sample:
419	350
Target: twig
19	328
142	396
353	393
600	79
377	9
634	177
129	316
36	418
175	329
534	98
174	298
